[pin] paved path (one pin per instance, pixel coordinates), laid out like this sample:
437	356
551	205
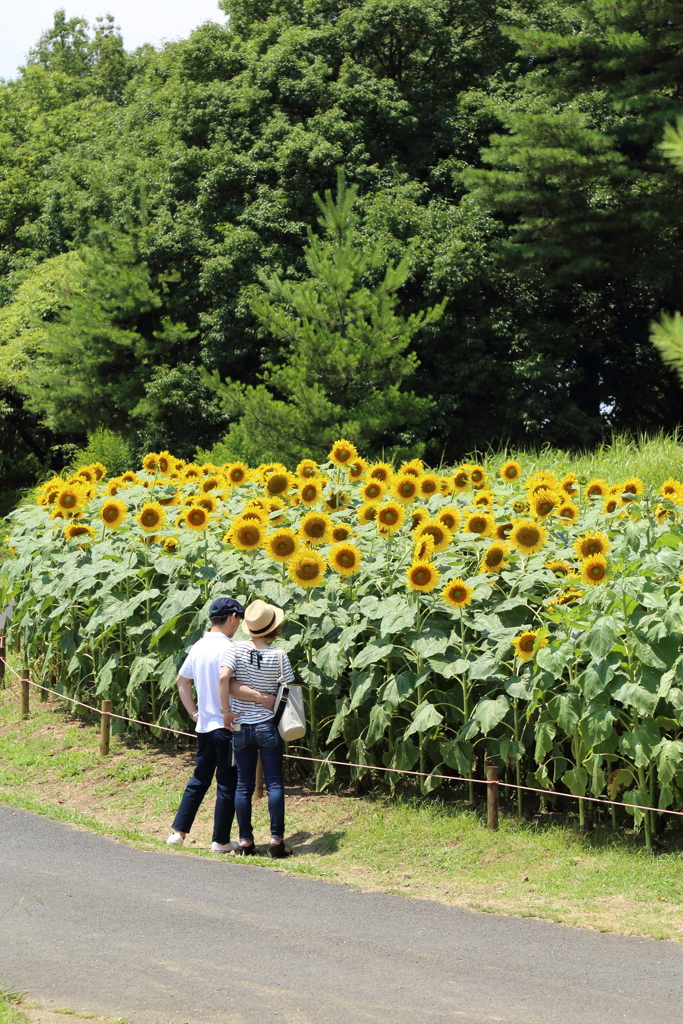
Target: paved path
165	938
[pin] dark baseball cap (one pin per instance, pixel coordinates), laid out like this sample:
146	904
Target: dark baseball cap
226	606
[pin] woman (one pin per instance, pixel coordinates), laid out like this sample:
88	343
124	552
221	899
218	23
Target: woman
256	664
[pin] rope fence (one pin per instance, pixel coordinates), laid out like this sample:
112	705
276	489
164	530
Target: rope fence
492	782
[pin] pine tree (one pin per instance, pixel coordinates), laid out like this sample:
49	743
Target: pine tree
343	356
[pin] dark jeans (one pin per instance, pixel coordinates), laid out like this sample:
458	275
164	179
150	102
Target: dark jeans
214	756
251	739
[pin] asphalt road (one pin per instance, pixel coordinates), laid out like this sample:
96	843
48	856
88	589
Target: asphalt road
165	938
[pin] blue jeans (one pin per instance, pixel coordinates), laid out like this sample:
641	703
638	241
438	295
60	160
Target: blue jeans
249	740
214	756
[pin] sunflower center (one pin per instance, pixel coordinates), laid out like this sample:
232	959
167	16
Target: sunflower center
528	537
374	490
461	480
477	525
494	557
197	517
237	475
407	489
110	514
315	529
343	454
307	570
596	572
388	516
448	522
380	474
284	546
68	500
248	535
309	492
347	559
527	643
511	473
477	476
340	534
150	518
277	484
428	487
422	576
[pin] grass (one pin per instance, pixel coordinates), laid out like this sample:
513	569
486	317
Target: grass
651	458
9	1013
427	848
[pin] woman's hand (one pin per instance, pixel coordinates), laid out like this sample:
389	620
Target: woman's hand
268	701
229	718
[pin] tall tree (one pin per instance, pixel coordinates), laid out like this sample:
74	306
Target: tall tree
343	358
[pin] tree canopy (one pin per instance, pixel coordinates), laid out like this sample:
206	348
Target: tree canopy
510	149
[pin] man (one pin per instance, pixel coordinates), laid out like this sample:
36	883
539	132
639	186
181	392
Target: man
214	736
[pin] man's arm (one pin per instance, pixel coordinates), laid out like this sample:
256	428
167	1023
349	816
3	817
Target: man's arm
185	690
230	687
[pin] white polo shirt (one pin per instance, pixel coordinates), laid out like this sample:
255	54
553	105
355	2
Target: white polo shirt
203	665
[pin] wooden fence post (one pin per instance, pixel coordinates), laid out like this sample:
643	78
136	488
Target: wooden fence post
259	779
24	692
492	796
105	728
3	655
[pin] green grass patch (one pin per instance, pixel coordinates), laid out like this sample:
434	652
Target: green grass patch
415	847
9	1011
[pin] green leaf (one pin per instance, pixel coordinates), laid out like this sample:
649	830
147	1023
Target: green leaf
324	775
489	713
406	754
425	717
372	653
339	720
331	658
576	781
519	689
143	667
635	696
457	755
565	708
397	616
448	667
379	720
362	685
618	782
545	735
398	687
602	639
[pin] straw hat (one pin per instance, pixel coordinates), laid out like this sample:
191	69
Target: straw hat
261	618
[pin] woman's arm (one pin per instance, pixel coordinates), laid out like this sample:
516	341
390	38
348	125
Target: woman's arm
230	687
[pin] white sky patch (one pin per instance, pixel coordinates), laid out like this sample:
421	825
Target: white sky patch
141	21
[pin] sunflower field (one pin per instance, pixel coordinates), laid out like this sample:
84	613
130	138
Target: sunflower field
434	620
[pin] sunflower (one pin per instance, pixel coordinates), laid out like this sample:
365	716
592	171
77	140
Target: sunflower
528	536
316	527
192	472
307	468
541	478
208	468
206	501
113	486
494	558
424	549
478	477
210	483
77	531
405	488
569	597
373	491
481	523
280	483
253	511
71	498
171	499
247	534
345	559
502	531
171	544
366	514
151	516
129	478
568	511
337	501
520	506
357	469
440	533
113	513
544	502
343	453
307	569
525	643
461	478
569	484
281	545
381	471
390	517
165	463
85	473
151	462
457	594
414	468
611	504
590	544
594	570
421	575
236	473
310	491
672	489
429	485
341	532
445	485
662	514
631	488
483	499
559	567
196	518
597	488
418	516
510	471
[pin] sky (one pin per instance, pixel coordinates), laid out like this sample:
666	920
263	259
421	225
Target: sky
141	21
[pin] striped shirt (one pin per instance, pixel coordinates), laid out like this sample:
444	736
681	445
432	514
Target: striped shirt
259	669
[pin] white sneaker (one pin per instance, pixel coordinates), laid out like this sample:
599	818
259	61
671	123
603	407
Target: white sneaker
175	839
230	847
